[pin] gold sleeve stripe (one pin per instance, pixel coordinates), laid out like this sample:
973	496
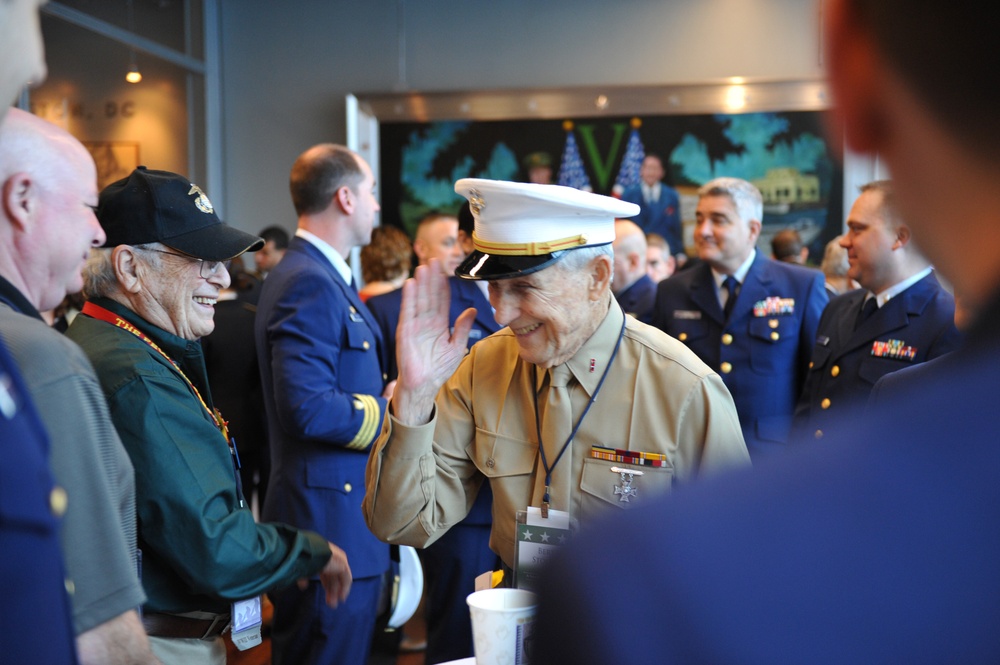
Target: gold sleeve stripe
366	433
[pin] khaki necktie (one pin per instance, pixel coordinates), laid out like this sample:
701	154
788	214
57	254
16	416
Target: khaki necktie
557	424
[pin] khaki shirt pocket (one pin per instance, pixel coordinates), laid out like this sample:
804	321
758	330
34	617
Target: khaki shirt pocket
598	485
508	464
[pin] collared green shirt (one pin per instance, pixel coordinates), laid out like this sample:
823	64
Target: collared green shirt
201	549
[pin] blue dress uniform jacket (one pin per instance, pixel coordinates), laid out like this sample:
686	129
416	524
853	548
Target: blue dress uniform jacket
912	327
638	299
878	546
663	217
319	353
762	352
37	625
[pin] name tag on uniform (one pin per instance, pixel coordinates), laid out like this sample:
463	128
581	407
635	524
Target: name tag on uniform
247	620
688	314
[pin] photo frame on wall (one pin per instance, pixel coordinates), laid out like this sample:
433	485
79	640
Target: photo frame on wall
770	133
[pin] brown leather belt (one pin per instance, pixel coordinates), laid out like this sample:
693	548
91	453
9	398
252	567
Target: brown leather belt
171	625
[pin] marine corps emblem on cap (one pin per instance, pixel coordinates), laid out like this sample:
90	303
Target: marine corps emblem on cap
476	201
201	202
521	228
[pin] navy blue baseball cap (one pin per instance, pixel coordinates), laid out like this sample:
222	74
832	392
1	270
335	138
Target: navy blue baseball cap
160	206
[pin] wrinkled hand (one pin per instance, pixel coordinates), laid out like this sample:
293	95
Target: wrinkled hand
336	577
427	352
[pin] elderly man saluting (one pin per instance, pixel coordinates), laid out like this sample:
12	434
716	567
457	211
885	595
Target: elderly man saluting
152	291
573	407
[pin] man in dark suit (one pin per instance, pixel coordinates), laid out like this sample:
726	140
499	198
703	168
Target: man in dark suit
634	290
880	544
436	238
749	318
325	397
901	316
659	205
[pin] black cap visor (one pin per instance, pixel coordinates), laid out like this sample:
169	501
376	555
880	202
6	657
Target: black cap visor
480	265
216	242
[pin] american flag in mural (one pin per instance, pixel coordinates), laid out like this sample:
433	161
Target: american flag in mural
628	173
571	171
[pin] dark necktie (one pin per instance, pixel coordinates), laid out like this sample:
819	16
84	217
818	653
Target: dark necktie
731	286
869	308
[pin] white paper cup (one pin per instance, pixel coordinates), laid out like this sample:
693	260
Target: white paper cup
502	622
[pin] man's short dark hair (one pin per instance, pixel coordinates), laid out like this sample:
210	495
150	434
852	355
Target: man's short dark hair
432	217
277	235
319	172
946	54
466	220
786	243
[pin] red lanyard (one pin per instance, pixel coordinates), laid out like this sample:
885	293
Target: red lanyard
97	312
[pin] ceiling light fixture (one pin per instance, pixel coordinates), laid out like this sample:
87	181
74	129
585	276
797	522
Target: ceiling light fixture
133	75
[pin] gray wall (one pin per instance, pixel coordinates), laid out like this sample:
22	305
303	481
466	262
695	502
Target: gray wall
287	66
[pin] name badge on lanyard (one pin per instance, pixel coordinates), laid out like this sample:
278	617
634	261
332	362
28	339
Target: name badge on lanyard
247	620
538	538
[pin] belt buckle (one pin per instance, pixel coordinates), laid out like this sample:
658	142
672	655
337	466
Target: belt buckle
211	628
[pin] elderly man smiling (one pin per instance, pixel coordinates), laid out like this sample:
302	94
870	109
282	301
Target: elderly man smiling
152	293
573	407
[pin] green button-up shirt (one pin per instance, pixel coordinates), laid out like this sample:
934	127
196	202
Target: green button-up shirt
201	548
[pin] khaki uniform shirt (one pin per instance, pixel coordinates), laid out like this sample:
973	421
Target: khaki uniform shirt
658	397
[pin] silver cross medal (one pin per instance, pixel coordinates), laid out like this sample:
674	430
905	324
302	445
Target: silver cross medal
625	490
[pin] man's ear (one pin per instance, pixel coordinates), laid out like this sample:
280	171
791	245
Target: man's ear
127	268
600	276
634	260
903	236
420	249
20	200
344	198
755	227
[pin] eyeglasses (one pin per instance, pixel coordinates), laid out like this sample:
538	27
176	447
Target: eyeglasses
206	269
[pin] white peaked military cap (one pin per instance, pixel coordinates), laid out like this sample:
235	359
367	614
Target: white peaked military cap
523	227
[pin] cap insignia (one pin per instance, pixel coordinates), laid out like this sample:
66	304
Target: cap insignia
202	202
476	201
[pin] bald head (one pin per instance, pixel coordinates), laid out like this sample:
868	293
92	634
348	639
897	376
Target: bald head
48	183
630	254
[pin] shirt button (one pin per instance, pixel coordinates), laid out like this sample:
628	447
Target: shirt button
810	364
726	368
727	339
682	336
347	487
825	404
366	345
818	434
775	336
835	370
491	463
70	587
773	323
58	501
